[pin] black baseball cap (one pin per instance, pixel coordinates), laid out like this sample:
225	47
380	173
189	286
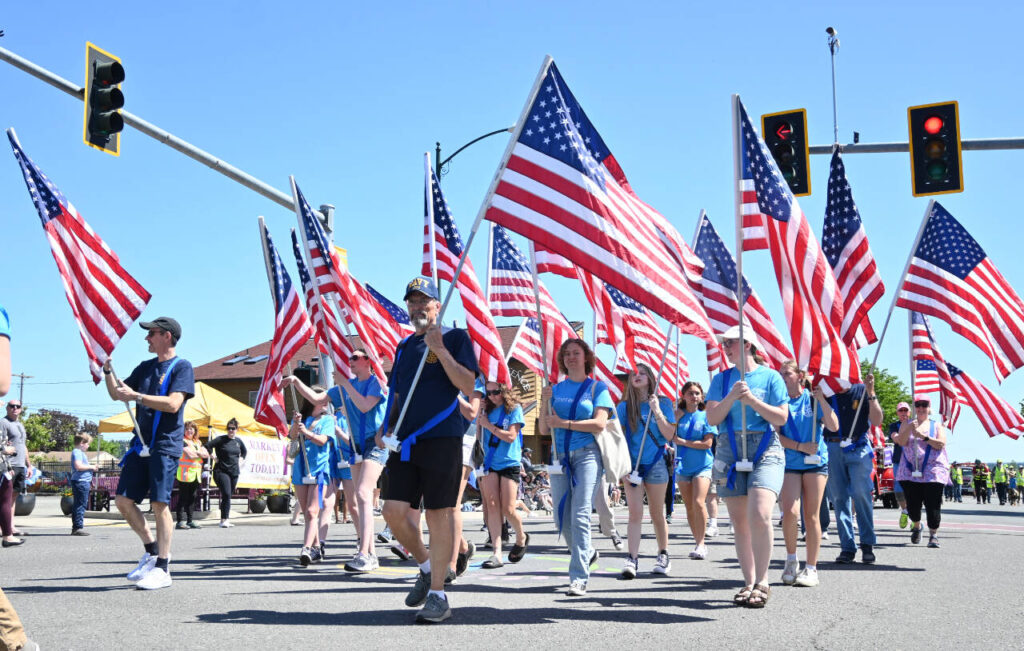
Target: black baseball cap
164	323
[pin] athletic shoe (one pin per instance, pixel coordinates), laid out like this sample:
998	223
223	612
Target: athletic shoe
807	578
933	542
616	540
371	562
668	519
226	524
664	564
79	532
846	557
323	551
361	563
593	557
305	557
450	577
904	519
824	535
419	591
155	579
181	525
462	562
699	553
398	550
377	511
790	571
492	563
384	537
915	535
146	563
631	567
712	531
435	610
193	525
577	588
867	555
803	537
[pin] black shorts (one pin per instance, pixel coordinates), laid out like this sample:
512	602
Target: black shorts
512	472
18	481
433	473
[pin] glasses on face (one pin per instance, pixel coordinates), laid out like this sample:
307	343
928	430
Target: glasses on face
921	405
232	429
494	392
356	358
729	342
9	406
903	409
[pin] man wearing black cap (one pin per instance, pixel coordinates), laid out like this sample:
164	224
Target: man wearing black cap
428	467
160	387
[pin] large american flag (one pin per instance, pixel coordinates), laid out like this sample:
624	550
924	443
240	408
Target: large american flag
845	244
718	294
104	298
810	294
996	415
440	229
926	376
292	330
925	350
333	278
951	278
329	338
562	188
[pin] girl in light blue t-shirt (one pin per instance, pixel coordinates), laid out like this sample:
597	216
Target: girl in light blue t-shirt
694	438
502	441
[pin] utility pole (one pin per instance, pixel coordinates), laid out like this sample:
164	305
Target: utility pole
21	385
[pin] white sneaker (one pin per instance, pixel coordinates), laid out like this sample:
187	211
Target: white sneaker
577	588
712	531
155	579
146	563
807	578
790	571
224	524
631	567
824	535
664	564
699	553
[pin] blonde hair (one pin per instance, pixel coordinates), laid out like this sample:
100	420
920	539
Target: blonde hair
635	401
83	437
792	364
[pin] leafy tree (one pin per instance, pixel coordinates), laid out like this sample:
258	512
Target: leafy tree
49	429
38	437
890	392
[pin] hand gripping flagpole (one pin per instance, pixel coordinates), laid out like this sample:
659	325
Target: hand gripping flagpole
743	465
308	478
634	477
847	439
144	452
555	468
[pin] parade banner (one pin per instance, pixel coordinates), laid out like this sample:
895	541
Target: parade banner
264	463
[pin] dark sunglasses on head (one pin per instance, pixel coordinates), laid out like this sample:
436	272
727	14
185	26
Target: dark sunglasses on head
495	392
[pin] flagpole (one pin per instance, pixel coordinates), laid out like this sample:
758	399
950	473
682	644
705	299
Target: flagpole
490	261
555	466
429	217
913	366
892	306
634	477
740	297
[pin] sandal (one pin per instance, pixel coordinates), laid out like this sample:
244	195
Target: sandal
517	552
742	596
759	596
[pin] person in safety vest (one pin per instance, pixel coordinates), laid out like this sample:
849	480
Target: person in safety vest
190	465
1000	479
956	473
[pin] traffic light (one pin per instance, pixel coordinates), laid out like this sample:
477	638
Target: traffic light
785	134
935	161
103	98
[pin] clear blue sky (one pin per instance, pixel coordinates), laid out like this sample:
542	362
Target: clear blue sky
348	96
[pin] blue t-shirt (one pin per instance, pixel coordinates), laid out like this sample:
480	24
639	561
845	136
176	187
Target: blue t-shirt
80	475
366	424
655	440
145	379
434	393
319	456
800	413
846	407
694	427
479	386
505	455
342	449
766	385
562	395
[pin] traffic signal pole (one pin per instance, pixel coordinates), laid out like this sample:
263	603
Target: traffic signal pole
978	144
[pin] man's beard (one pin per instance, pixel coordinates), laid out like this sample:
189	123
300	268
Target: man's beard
420	321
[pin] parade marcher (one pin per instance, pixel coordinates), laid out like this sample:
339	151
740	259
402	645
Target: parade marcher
81	482
160	387
694	438
903	416
580	409
806	471
20	463
363	398
1011	474
645	415
190	467
428	467
341	471
851	460
605	514
502	444
1000	480
759	400
469	407
313	427
980	476
924	470
226	451
990	487
956	475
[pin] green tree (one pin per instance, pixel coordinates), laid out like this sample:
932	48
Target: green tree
38	437
49	429
890	392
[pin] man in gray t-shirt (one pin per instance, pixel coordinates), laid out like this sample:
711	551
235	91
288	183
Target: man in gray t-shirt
13	431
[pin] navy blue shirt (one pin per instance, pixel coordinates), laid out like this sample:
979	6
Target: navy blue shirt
847	403
434	392
146	378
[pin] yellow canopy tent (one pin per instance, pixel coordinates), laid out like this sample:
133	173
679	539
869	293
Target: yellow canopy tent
209	408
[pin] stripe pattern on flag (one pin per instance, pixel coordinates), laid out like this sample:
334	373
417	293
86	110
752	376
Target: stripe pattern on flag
996	415
949	399
329	339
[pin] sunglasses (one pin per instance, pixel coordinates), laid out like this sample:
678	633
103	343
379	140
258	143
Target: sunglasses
14	406
495	392
920	405
903	409
356	358
232	429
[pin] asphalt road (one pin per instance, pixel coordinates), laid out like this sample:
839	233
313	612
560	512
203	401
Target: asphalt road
242	588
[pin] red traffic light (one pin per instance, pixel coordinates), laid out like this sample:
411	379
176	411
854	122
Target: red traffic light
933	124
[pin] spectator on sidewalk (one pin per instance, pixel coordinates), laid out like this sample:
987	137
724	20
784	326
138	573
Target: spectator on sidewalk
81	482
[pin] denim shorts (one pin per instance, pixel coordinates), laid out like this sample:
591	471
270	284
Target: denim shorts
768	471
820	470
657	474
705	474
379	455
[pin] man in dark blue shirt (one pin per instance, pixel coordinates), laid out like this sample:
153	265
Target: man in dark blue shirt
429	465
160	387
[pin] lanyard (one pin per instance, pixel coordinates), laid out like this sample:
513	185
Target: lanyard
137	445
493	441
566	467
642	469
928	450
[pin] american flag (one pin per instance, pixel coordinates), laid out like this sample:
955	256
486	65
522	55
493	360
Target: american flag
397	314
333	278
814	308
382	325
548	262
562	188
292	330
951	278
718	294
526	348
329	338
996	415
440	229
104	298
926	376
604	374
925	350
845	244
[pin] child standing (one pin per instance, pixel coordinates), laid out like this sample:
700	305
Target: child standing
81	481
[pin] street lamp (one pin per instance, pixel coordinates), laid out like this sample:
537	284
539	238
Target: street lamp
440	164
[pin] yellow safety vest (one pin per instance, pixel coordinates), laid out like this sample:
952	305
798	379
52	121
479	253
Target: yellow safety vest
999	475
189	467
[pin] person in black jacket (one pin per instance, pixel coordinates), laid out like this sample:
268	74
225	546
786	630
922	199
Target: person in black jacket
227	449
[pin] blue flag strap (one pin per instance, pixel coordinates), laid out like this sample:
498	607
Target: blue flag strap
410	440
136	446
566	466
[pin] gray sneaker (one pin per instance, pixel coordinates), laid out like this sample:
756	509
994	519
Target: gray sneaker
435	610
418	594
362	563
